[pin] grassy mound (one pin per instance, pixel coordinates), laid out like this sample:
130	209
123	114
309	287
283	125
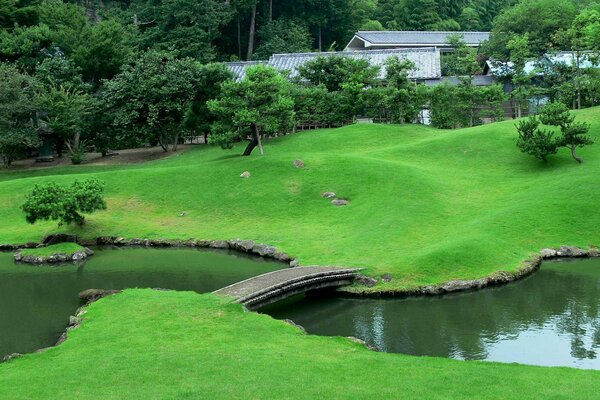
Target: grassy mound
144	344
426	206
60	248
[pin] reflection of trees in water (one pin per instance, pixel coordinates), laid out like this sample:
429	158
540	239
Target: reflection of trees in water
466	325
580	322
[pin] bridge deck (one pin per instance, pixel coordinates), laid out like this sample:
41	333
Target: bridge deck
252	290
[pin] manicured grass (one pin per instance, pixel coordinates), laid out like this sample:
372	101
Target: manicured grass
144	344
427	206
61	248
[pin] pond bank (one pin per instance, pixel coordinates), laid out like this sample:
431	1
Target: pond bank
367	284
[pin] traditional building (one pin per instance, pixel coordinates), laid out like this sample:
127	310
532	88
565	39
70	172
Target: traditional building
375	40
426	60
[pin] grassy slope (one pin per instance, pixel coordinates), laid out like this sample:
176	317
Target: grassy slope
61	248
144	344
427	205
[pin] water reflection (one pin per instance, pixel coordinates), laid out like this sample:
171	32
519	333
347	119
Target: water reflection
551	318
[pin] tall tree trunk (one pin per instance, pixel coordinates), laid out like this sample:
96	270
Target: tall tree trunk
165	146
270	10
251	34
176	142
320	39
239	38
574	154
253	143
259	140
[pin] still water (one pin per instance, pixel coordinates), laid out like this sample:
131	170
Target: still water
551	318
36	302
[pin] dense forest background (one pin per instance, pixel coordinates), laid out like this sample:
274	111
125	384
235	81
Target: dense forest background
114	73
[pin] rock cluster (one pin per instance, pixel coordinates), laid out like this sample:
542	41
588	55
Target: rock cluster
90	295
59	238
245	175
75	257
298	163
569	252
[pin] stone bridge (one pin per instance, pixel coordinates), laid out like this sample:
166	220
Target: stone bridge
277	285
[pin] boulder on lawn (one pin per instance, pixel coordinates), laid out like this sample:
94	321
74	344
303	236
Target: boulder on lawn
340	202
245	175
298	163
328	195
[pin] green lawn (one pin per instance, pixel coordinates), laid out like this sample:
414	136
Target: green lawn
427	206
60	248
144	344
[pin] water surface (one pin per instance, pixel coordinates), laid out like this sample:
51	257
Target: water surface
36	302
551	318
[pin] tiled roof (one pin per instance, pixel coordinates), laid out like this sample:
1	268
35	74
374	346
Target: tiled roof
238	68
422	38
586	60
427	61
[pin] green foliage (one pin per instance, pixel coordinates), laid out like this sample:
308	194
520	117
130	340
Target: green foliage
257	107
539	19
462	61
423	14
52	202
335	72
402	97
541	142
463	105
198	117
17	114
187	27
372	25
152	95
105	47
63	111
282	36
470	19
317	105
57	69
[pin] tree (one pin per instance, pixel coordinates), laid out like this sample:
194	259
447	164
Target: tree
539	19
574	134
52	202
469	19
187	27
63	110
106	46
579	38
423	14
255	108
17	114
198	118
403	98
462	61
539	143
151	96
520	77
282	36
334	71
57	69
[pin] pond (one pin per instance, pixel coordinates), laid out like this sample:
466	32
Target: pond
36	302
551	318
